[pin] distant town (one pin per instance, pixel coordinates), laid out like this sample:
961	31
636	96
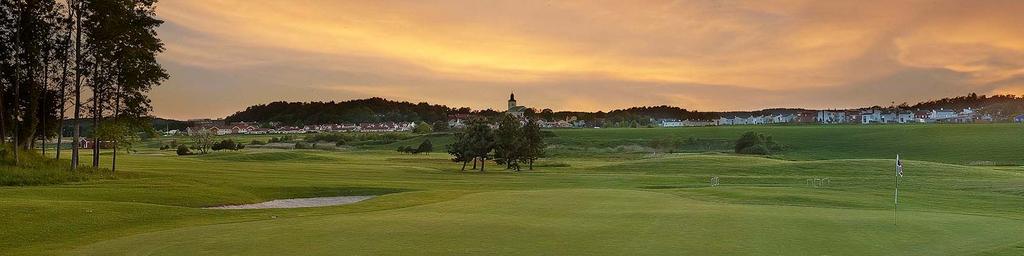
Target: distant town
872	115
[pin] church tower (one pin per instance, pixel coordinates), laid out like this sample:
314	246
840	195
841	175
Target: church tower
512	101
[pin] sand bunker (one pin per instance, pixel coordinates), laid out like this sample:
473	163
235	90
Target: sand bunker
298	202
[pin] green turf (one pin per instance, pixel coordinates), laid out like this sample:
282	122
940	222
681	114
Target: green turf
585	222
574	203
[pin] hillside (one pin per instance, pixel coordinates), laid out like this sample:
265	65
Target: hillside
384	110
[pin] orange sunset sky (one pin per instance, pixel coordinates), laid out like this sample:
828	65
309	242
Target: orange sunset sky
224	55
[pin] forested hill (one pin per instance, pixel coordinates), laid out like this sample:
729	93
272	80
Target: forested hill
352	111
995	104
383	110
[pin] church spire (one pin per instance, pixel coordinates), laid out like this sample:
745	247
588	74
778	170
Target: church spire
512	97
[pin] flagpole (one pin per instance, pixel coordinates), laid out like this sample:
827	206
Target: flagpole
896	196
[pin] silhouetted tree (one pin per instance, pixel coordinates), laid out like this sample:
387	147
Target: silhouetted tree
460	149
480	138
425	147
533	142
508	142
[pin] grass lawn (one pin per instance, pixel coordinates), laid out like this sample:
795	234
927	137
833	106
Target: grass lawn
963	195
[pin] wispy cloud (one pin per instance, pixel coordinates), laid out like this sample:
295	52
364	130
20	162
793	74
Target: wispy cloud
593	54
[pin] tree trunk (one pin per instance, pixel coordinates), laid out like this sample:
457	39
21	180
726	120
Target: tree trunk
482	163
78	85
63	100
31	118
464	165
3	118
474	163
96	115
17	101
531	164
46	84
117	109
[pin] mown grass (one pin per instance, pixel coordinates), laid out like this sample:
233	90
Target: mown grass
970	144
575	203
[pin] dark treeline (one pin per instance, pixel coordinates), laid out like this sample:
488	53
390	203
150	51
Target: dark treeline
995	104
93	58
353	111
383	110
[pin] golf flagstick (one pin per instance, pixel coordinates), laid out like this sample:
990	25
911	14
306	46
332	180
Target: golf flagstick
896	196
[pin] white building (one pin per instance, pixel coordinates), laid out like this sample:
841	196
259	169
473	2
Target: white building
831	117
942	114
871	116
513	109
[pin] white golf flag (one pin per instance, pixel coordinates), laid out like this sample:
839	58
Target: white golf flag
899	166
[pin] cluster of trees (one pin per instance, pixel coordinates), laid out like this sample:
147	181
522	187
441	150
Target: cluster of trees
998	105
202	140
353	111
425	147
95	58
204	144
423	128
339	138
510	144
383	110
227	145
755	143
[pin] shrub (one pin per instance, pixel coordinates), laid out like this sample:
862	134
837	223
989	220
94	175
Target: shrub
755	150
257	142
227	144
301	145
422	128
756	143
440	126
165	147
183	150
425	147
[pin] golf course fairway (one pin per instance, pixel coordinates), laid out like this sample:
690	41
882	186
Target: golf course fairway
585	221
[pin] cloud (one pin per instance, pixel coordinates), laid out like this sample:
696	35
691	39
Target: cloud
592	55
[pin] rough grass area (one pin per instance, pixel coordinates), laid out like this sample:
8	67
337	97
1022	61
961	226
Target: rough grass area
35	169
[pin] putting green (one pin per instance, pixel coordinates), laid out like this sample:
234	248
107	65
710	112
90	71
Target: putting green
586	221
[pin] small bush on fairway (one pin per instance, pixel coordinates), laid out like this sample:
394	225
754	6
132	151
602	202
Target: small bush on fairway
755	143
285	138
183	150
425	147
227	144
755	150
